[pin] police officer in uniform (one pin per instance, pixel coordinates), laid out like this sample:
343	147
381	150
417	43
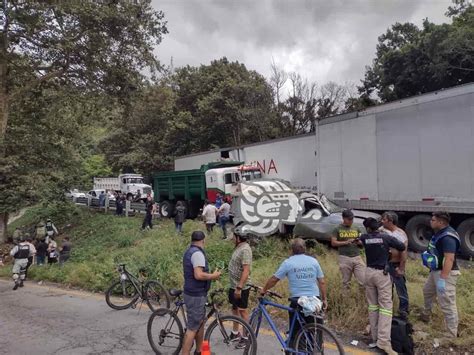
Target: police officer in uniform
20	252
378	285
440	258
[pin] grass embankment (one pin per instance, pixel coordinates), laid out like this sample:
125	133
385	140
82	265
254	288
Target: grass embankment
101	241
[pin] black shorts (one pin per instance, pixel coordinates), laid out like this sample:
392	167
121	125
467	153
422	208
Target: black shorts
241	303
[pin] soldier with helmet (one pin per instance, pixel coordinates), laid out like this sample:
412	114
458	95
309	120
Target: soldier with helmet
20	253
51	230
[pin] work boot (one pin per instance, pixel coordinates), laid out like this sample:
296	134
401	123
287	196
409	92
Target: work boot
15	287
21	284
388	349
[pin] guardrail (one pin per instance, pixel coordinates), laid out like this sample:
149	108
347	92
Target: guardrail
93	202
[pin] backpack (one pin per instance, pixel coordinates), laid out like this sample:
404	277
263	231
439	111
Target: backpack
402	341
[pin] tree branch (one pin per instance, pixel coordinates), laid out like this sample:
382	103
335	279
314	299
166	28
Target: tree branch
32	83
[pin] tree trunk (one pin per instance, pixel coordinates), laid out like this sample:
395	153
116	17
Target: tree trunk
3	109
3	227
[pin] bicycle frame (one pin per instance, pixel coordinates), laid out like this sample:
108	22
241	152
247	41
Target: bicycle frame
179	303
137	284
296	317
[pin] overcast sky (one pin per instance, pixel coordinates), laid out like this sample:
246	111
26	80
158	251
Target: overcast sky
323	40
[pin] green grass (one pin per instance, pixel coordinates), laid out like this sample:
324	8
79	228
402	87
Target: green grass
101	241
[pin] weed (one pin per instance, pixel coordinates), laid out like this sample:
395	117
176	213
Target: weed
100	242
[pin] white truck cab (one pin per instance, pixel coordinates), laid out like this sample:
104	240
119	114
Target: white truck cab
128	184
225	181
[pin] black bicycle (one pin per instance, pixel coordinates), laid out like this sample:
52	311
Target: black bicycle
166	333
129	290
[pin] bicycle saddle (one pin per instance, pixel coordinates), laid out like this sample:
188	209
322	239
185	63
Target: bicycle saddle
175	293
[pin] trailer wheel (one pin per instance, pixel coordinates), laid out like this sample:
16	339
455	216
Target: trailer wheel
419	232
166	209
466	234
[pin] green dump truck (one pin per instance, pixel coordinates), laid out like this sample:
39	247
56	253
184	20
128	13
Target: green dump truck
192	187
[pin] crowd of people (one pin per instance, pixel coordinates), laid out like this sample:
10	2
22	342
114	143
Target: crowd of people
385	246
42	249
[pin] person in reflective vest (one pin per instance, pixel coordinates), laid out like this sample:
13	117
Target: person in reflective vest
51	230
440	258
378	284
20	253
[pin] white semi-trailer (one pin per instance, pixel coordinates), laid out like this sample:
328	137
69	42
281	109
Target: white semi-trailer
413	156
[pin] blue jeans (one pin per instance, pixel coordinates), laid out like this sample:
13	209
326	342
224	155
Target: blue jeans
222	222
40	259
401	287
179	227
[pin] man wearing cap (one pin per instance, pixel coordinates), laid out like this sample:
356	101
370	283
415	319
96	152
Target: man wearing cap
350	262
378	285
239	275
440	258
197	281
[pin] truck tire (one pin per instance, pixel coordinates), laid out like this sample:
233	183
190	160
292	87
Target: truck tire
419	232
466	234
166	209
194	209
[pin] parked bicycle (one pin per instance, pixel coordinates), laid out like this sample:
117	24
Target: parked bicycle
166	333
130	289
311	338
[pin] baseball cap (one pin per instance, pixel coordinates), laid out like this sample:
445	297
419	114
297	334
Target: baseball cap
347	214
197	236
371	223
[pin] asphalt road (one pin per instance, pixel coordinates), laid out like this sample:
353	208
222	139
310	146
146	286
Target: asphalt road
49	320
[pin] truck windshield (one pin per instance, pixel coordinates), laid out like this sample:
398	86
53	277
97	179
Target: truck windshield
135	181
329	205
251	175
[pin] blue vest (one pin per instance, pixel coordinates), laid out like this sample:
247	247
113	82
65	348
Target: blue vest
193	287
432	258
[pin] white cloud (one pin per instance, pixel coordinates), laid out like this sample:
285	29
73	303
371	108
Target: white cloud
323	40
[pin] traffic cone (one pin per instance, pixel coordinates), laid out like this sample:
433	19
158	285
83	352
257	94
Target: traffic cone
205	348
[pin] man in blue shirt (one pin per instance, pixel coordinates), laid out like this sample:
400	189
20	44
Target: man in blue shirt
305	278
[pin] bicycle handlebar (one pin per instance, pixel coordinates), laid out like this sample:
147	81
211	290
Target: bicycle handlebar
269	293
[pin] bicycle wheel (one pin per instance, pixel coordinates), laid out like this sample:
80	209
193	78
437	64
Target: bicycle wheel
317	339
218	334
165	332
156	296
121	295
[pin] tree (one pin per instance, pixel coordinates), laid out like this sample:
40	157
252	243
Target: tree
411	61
298	110
139	141
90	45
331	100
229	104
